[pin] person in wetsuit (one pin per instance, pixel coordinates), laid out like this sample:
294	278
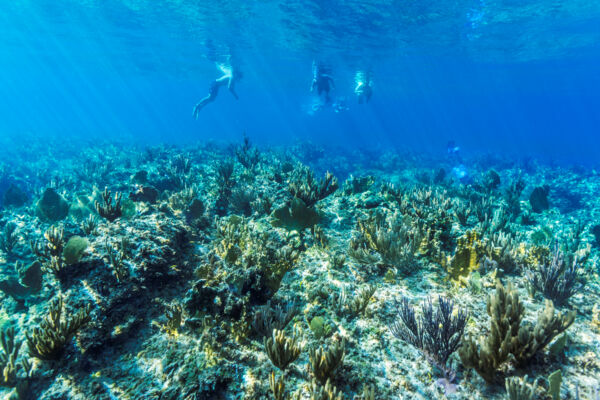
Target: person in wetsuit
364	87
322	82
230	76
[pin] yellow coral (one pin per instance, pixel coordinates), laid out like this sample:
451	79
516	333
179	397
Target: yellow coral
466	258
538	255
596	318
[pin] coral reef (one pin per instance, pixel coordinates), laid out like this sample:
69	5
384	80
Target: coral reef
555	279
218	271
437	334
282	351
107	209
509	336
48	340
519	389
325	360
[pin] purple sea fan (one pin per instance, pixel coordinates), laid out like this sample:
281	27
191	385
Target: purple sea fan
436	333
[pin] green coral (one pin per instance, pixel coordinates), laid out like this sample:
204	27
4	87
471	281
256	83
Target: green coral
323	361
10	364
392	237
74	249
304	186
519	389
51	206
509	336
319	327
296	216
554	383
282	350
48	340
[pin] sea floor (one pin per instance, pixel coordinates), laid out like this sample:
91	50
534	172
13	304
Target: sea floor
162	272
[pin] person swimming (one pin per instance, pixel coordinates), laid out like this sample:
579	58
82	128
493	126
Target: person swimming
230	76
364	87
322	81
453	151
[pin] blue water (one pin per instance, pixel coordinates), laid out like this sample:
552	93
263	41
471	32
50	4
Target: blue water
508	77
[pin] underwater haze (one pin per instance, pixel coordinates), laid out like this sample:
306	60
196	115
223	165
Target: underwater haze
299	200
516	77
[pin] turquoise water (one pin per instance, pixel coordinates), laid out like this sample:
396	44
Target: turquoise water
496	76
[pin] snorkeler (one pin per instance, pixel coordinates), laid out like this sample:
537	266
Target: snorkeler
364	87
230	76
322	81
453	151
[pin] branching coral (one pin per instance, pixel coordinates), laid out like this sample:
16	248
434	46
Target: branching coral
357	305
325	392
482	208
181	164
268	317
508	336
9	238
116	259
225	179
519	389
89	225
437	333
556	280
9	366
107	209
305	187
247	155
56	242
181	200
241	243
367	394
277	262
462	212
533	338
50	254
324	361
506	312
357	185
397	242
431	210
282	350
494	222
48	340
573	246
232	235
503	250
277	387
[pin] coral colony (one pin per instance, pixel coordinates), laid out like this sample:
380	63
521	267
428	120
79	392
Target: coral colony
221	272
